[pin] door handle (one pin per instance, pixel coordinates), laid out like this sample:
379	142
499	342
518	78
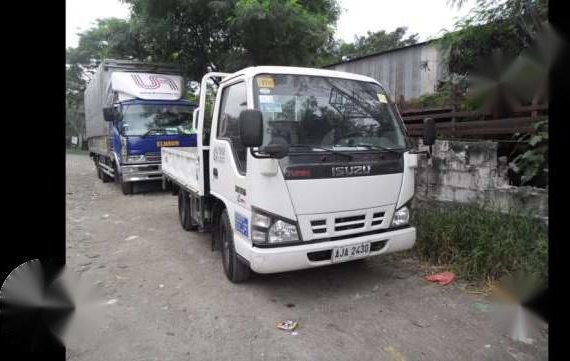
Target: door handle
215	171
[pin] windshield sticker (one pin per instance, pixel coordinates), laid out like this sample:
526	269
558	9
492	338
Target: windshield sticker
265	91
382	98
271	107
265	83
241	224
266	98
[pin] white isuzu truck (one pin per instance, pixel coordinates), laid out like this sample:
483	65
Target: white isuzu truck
296	168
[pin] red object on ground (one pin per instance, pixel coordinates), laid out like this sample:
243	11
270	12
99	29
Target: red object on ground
443	278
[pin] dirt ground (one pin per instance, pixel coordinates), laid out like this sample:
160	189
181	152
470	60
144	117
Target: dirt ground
169	298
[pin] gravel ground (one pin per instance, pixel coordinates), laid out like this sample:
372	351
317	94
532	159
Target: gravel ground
173	302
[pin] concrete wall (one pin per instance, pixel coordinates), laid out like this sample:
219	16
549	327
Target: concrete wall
470	172
408	72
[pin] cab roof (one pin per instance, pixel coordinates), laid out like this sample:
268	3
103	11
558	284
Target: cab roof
255	70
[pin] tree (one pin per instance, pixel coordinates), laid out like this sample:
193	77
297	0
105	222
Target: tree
74	111
507	27
231	34
109	38
283	32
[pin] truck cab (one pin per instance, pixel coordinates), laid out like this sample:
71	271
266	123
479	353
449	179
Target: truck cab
139	129
304	168
134	109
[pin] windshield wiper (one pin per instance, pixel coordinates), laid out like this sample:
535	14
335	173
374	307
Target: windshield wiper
151	130
377	147
322	148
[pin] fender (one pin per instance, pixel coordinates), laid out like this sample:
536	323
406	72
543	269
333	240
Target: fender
116	159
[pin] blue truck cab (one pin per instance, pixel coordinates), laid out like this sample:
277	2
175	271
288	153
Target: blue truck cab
132	110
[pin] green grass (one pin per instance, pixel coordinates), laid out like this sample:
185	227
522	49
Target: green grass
480	244
76	151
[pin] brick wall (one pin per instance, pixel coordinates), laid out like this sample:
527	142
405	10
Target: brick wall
471	172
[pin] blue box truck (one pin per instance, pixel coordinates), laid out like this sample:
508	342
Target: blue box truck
132	109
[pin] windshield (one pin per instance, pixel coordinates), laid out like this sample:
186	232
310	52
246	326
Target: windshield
139	119
326	112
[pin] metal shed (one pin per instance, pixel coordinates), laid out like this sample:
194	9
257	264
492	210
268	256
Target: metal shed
406	73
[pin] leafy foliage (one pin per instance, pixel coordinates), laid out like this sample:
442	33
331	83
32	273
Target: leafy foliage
531	163
508	26
231	34
480	243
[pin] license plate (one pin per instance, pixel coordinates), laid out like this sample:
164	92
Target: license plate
342	254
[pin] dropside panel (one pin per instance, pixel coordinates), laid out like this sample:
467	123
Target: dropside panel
183	166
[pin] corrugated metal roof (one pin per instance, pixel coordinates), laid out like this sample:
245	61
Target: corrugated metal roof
381	53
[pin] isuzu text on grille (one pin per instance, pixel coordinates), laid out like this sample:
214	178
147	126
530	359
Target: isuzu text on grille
351	170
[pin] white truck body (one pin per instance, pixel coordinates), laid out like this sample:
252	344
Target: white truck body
351	210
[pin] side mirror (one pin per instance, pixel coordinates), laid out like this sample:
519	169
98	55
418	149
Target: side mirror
429	131
108	114
278	148
251	128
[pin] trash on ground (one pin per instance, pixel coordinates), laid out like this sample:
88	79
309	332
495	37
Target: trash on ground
130	238
396	355
105	216
161	285
443	278
294	333
421	324
487	346
112	301
287	325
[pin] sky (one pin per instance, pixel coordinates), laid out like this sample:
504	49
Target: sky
425	17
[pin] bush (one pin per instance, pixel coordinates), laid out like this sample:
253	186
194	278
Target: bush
481	244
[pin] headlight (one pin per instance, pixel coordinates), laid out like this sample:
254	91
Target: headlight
282	231
268	229
136	158
401	217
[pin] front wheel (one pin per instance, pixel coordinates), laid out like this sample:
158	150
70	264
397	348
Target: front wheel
236	270
126	187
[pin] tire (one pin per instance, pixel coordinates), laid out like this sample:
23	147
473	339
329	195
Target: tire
103	176
99	172
236	271
126	187
185	212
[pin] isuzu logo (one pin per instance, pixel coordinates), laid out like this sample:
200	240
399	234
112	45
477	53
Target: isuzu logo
353	170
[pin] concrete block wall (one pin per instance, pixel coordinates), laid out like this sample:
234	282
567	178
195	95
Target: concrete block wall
471	172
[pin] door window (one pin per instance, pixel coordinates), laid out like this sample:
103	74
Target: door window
234	100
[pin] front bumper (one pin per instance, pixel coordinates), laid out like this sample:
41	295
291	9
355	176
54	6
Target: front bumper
141	172
282	259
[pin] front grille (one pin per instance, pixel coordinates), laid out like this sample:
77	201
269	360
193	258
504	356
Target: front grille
319	226
352	222
378	245
377	219
320	255
152	156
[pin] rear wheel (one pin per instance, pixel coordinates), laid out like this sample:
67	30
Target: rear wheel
103	176
236	270
185	211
